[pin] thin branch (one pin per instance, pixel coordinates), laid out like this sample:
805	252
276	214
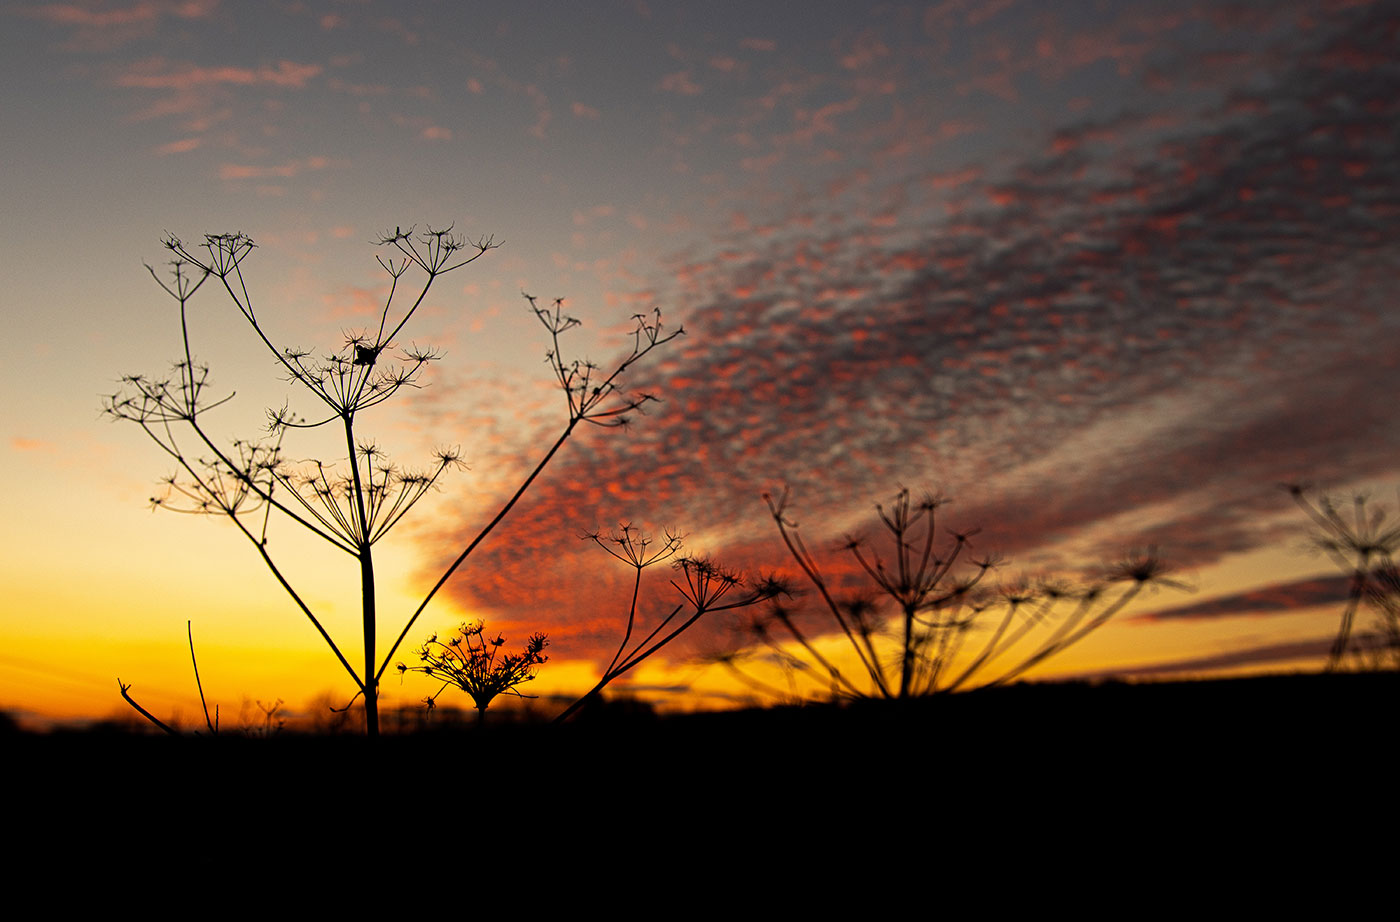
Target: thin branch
214	726
142	711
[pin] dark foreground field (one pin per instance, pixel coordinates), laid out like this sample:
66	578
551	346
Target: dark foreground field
1243	780
1253	783
1184	732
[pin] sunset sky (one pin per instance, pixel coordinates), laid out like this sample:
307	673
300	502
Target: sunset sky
1105	273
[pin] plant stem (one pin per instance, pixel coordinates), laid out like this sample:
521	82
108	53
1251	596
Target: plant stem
374	677
371	686
366	557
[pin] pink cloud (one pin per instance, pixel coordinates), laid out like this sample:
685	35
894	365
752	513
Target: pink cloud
582	111
153	74
98	27
679	82
987	9
866	50
83	16
822	121
234	171
602	211
70	14
543	116
791	370
183	146
239	171
351	302
397	27
437	133
942	17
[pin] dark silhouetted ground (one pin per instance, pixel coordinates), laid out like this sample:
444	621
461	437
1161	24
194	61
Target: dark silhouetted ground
1119	764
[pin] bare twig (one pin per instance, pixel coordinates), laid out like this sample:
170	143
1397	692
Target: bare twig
142	711
214	725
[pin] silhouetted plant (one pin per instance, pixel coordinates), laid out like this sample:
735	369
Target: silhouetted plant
351	506
704	586
125	688
473	663
272	720
1363	543
944	631
213	724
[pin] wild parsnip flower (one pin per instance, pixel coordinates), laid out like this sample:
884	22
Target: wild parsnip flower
477	666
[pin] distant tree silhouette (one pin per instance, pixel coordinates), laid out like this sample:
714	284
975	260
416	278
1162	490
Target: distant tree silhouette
353	502
1363	543
927	624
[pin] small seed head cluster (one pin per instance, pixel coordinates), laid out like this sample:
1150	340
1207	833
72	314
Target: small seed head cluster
473	662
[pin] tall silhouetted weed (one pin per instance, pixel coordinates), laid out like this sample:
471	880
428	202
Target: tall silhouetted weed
926	622
1362	539
352	501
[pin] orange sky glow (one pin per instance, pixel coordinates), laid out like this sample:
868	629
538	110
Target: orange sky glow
1105	277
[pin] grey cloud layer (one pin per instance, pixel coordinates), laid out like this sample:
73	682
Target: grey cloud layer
1134	319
